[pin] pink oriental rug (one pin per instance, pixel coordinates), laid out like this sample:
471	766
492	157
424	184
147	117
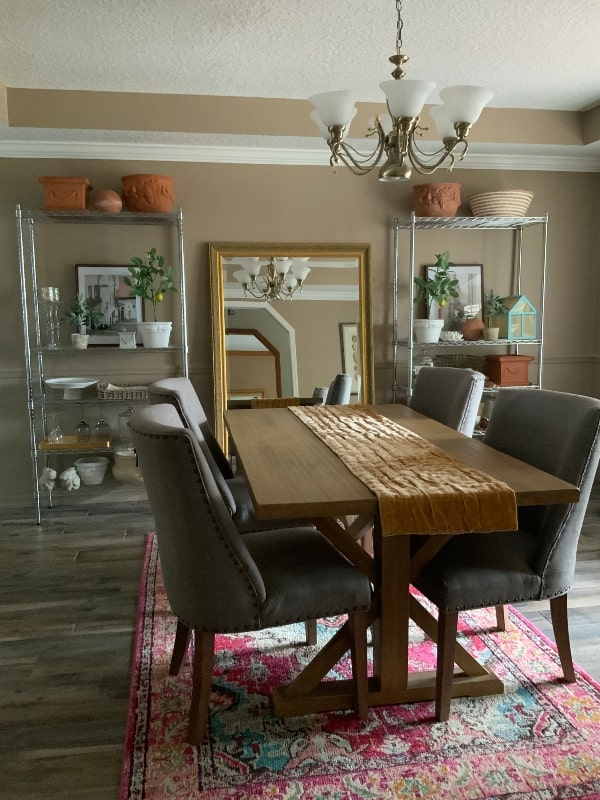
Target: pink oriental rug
540	740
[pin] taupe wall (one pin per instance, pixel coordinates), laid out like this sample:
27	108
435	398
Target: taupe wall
309	204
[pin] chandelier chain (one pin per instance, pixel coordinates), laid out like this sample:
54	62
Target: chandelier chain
399	26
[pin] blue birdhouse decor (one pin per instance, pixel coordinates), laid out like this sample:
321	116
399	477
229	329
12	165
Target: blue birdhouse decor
518	321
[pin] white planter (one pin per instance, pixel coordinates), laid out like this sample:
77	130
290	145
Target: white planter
91	470
80	340
491	334
428	331
155	334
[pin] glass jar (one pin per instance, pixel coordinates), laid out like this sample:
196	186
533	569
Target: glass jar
55	433
126	442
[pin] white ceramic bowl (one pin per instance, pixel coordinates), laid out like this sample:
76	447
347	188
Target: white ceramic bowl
91	470
513	203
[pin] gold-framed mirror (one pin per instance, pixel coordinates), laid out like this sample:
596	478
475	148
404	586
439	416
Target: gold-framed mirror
288	347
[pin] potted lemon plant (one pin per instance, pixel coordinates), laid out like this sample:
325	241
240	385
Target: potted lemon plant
438	288
150	279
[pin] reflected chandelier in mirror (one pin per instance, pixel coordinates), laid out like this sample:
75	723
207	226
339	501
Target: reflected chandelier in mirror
273	344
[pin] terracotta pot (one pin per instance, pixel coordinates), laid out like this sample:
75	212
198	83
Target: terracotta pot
436	199
148	193
108	201
65	193
472	329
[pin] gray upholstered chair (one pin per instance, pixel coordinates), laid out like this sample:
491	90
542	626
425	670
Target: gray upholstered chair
339	390
218	581
450	395
558	433
180	393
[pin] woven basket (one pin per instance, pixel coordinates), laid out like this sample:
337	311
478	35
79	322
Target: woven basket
124	391
501	204
459	360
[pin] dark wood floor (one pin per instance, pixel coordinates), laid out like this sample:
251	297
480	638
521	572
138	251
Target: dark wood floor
68	594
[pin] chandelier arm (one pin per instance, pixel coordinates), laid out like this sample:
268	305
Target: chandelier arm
345	154
355	169
435	154
428	169
257	295
359	158
270	288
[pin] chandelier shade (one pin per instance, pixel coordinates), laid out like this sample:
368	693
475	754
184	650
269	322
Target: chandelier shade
465	103
396	139
406	98
334	108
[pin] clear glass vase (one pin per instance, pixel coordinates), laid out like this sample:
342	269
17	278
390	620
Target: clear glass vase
50	298
125	440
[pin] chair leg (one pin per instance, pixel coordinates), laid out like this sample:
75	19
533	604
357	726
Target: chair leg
446	644
357	623
500	618
310	627
560	625
182	640
204	649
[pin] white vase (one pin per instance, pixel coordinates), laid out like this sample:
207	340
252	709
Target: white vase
428	331
155	334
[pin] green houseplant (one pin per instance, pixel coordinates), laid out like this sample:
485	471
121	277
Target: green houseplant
84	313
439	288
494	305
150	279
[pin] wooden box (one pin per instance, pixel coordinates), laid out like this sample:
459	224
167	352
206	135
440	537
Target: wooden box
508	370
65	194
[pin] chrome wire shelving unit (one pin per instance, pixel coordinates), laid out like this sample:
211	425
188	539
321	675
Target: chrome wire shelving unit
415	225
37	352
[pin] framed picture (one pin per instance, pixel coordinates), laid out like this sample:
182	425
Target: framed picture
120	312
470	295
350	346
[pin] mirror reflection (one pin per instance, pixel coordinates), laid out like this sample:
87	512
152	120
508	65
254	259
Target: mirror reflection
286	319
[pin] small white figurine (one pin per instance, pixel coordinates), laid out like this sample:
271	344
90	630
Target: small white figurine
69	479
47	479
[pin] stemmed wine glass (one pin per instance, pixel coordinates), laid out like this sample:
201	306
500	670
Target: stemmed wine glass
102	428
82	429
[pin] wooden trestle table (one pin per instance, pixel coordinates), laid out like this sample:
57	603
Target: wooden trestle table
292	474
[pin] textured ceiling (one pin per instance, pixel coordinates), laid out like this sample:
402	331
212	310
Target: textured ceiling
531	53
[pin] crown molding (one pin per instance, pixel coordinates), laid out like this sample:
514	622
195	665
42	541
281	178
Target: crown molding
544	160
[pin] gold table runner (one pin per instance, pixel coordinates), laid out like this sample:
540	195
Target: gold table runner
420	488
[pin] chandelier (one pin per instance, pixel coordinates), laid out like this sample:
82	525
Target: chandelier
396	132
284	277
